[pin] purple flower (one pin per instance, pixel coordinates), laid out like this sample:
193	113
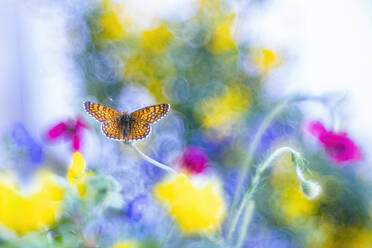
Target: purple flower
23	139
71	130
194	160
143	210
339	147
137	206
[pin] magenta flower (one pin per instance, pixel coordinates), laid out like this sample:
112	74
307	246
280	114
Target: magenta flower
339	147
71	130
194	160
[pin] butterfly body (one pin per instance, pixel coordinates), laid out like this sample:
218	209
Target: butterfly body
126	122
123	125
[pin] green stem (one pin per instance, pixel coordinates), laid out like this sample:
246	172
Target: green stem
252	148
335	121
256	140
249	159
150	160
246	220
253	186
169	235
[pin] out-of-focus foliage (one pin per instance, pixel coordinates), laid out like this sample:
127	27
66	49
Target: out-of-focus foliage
194	64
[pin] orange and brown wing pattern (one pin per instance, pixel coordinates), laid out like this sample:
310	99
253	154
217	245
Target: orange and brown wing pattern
112	129
139	130
101	113
152	113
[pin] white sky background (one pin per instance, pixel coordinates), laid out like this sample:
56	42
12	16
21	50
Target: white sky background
328	45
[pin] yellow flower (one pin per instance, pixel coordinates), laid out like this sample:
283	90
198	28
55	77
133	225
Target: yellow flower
112	28
226	109
208	4
359	238
139	68
76	174
294	203
196	208
222	40
321	235
265	59
125	244
156	87
326	235
157	39
113	20
154	73
33	211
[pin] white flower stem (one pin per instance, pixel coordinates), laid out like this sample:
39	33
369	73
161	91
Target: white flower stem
152	161
168	236
246	220
335	120
252	148
253	186
257	138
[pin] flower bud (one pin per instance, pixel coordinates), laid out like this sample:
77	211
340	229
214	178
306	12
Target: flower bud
310	188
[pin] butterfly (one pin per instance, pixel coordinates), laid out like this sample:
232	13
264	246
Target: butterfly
126	126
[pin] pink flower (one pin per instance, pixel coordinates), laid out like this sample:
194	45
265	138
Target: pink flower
194	160
70	130
339	147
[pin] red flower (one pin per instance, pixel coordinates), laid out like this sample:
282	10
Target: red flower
70	130
194	160
339	147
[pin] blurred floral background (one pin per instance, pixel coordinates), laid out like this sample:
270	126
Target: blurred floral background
266	143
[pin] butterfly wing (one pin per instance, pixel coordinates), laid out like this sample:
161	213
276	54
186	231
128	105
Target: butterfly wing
152	113
139	130
110	118
101	113
112	129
